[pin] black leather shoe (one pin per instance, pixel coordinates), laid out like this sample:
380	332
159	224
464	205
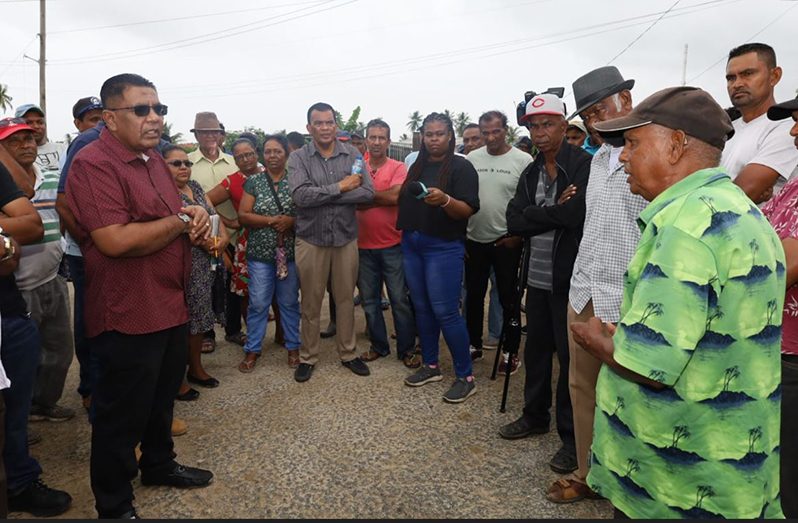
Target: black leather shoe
180	477
130	514
357	366
209	383
521	428
329	332
564	461
303	372
39	500
189	395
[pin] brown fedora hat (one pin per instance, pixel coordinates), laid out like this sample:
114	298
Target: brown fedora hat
206	121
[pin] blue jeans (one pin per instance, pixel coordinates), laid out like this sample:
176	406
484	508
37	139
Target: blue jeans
20	357
263	283
434	273
89	366
375	266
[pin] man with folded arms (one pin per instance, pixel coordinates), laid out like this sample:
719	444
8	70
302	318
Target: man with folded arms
688	397
134	235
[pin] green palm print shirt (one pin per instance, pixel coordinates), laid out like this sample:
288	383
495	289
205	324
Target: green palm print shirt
262	242
701	314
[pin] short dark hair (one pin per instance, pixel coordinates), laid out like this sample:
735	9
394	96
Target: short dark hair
472	125
116	85
320	106
763	51
296	139
246	140
378	122
493	115
166	150
279	138
252	137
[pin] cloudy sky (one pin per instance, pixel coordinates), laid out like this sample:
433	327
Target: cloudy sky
262	63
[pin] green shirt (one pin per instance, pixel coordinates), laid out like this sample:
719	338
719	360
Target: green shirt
701	314
262	241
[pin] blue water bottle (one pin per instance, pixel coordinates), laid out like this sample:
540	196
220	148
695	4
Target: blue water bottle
357	167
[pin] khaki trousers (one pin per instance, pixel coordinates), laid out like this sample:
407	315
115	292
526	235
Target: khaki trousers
582	376
315	265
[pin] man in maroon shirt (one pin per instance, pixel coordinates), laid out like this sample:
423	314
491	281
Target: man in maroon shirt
131	233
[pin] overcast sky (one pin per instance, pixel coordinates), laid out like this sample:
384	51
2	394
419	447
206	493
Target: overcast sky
262	63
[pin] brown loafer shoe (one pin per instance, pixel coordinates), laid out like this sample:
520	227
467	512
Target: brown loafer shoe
569	490
371	355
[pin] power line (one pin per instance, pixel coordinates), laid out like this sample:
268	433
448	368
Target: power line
177	19
722	58
201	39
495	48
349	74
644	32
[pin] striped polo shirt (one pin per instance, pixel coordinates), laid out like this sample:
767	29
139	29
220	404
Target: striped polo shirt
39	261
540	274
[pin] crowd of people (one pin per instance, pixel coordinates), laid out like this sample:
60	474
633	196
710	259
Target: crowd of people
653	248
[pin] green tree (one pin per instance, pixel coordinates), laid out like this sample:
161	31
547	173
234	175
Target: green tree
619	404
771	311
5	98
703	491
754	435
513	134
167	130
716	315
730	374
652	309
632	465
414	122
352	125
680	432
232	136
460	121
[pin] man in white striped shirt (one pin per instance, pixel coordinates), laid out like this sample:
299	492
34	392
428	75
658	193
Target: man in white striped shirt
44	290
609	240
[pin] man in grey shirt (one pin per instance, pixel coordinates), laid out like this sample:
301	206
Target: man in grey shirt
326	186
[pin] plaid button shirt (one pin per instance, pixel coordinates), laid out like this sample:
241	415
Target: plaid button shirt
609	239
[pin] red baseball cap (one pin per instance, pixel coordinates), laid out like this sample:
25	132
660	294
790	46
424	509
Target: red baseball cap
9	126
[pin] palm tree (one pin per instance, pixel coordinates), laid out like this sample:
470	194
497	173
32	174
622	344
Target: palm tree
414	124
679	432
730	374
167	130
632	465
5	99
619	404
754	435
703	491
654	309
513	134
460	121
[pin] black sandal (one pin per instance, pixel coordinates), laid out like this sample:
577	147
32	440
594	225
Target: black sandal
189	395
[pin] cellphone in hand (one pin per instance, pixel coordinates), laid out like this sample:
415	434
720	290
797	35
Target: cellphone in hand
424	192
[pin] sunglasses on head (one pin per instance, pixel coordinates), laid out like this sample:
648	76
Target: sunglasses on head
142	110
178	163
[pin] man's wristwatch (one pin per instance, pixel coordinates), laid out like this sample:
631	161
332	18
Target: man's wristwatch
184	217
8	246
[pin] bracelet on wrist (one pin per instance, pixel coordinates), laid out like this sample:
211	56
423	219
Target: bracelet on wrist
448	199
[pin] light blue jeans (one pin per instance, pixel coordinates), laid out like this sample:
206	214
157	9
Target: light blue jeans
263	283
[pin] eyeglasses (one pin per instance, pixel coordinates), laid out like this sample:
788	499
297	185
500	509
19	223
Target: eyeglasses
178	163
244	156
143	110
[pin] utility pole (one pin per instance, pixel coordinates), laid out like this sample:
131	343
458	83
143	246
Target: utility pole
42	57
684	66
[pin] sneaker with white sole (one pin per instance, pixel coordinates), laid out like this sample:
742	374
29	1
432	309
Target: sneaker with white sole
460	390
423	376
476	354
516	363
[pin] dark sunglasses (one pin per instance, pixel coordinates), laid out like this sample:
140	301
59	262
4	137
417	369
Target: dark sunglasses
178	163
143	110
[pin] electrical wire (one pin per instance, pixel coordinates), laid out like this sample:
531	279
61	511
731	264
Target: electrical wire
643	33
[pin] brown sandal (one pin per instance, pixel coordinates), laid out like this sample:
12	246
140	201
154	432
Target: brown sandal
568	491
248	364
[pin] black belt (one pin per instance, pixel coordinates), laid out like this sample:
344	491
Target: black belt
790	358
